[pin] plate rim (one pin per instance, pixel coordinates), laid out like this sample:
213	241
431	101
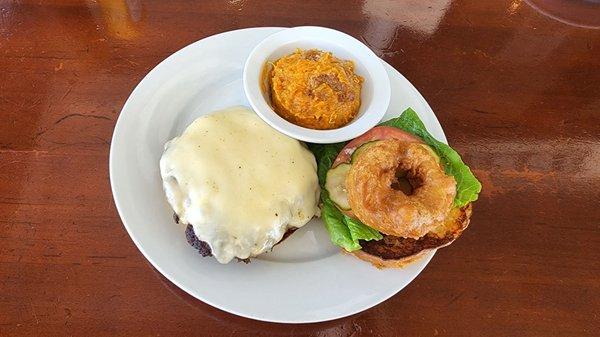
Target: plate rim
119	204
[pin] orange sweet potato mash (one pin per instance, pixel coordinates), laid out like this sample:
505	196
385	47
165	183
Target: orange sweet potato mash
314	89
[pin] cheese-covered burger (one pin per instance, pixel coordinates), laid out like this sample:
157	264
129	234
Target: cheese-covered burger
238	184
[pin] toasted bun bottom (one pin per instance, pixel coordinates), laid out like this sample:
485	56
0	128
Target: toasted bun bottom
381	263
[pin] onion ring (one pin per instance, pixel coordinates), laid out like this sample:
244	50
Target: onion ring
378	205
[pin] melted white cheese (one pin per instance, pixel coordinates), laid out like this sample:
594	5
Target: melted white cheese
239	182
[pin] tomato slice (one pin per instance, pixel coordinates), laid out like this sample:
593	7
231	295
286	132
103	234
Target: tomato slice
376	133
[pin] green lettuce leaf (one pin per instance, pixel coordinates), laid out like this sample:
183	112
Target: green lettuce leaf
325	155
360	231
339	232
343	230
467	185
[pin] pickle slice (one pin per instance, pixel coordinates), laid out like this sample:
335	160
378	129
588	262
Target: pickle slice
335	184
361	149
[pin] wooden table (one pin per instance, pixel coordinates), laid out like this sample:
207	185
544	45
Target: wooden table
518	94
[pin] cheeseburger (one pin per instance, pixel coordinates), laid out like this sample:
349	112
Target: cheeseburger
237	184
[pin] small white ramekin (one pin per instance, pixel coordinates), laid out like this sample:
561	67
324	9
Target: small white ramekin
375	93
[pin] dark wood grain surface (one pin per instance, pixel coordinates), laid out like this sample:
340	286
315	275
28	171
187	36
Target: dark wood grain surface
517	92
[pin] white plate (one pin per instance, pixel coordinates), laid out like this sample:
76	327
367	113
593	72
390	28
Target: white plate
304	279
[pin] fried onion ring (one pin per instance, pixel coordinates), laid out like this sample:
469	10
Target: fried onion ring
376	203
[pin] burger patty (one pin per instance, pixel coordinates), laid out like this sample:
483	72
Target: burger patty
395	247
203	247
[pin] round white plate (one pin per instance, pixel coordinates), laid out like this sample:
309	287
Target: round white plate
304	279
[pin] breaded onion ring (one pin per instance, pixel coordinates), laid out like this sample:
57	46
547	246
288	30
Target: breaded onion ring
378	205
